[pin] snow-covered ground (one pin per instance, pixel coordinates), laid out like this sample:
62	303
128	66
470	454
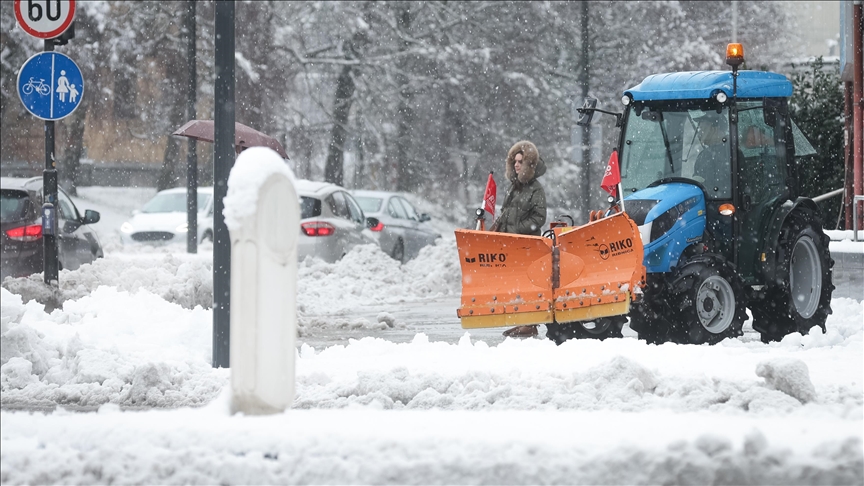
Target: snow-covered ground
129	339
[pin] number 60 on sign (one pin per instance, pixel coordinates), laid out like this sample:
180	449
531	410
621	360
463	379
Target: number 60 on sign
45	19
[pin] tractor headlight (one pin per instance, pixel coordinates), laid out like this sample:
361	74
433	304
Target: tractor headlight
645	233
720	97
625	100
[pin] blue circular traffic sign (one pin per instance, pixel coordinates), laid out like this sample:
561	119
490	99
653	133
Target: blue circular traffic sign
50	85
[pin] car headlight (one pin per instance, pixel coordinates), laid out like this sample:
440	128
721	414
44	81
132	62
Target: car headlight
126	227
182	228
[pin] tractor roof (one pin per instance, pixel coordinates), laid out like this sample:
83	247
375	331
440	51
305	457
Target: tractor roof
704	84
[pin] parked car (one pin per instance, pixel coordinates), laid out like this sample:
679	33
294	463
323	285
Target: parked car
404	232
21	229
331	221
164	219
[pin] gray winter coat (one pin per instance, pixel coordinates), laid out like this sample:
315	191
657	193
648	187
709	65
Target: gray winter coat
524	208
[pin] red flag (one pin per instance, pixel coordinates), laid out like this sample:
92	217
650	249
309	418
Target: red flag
489	196
612	176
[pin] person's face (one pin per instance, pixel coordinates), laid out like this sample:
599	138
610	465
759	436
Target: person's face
518	163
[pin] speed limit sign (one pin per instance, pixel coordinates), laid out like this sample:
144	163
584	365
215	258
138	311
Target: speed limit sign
45	19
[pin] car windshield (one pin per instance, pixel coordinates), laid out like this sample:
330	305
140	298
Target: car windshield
173	202
13	206
369	204
677	140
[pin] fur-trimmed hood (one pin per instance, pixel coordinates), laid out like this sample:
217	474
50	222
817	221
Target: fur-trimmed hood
532	164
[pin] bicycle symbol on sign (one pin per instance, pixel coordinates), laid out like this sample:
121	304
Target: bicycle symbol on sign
40	87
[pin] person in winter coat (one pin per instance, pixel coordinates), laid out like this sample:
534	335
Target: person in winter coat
524	209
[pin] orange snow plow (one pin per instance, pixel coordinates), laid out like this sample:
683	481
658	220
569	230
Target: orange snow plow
577	274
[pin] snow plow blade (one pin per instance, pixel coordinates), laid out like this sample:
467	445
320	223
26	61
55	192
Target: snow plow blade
586	272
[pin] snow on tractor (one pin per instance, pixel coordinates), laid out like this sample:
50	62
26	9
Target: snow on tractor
708	221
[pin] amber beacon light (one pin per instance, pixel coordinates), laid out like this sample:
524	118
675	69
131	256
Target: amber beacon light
734	54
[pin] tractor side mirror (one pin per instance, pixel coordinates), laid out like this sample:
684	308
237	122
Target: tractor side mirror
587	112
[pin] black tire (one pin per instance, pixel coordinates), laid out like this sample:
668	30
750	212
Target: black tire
651	330
398	252
711	301
800	296
701	301
648	317
553	333
602	328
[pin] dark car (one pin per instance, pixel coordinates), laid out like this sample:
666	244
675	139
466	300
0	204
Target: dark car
21	229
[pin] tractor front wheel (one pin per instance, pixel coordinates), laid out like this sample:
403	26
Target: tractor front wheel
713	306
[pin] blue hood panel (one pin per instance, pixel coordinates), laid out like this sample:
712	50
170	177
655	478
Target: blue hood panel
702	84
666	195
675	220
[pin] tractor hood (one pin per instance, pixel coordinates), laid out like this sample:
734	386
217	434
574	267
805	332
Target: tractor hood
648	204
670	217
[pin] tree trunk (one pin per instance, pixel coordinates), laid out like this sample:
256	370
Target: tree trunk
334	169
75	146
301	151
406	177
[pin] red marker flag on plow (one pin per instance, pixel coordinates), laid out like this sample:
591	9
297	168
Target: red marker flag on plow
489	196
612	176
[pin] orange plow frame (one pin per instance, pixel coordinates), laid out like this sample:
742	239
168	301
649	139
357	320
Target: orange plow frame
586	272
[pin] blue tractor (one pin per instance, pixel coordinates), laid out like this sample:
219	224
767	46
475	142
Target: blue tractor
708	173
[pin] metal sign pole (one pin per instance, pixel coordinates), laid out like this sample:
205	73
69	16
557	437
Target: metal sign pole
223	160
50	264
192	155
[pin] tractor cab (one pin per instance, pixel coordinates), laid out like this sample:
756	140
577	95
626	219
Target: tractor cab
726	157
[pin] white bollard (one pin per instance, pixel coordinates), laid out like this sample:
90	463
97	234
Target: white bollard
262	213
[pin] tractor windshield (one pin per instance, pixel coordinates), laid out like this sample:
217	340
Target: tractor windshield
677	140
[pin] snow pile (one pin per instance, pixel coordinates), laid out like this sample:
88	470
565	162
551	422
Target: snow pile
617	411
790	376
375	447
180	278
111	346
367	276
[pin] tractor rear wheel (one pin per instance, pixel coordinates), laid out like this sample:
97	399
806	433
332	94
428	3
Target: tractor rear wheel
602	328
801	295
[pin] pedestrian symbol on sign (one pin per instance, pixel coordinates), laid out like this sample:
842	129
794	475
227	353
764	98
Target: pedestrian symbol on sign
62	85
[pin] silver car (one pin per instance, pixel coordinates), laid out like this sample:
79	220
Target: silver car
163	218
403	231
331	221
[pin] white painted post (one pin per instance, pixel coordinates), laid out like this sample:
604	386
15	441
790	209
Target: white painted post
262	213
